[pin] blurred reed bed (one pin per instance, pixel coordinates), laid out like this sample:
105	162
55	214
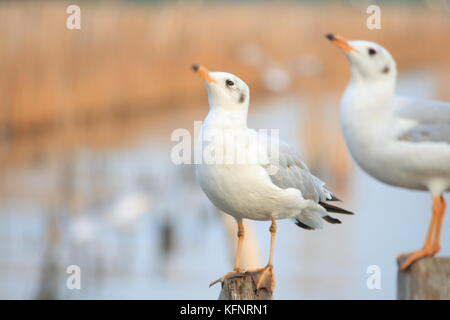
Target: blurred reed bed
132	61
65	94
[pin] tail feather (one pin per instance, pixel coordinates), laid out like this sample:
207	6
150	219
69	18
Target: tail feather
302	225
311	220
335	209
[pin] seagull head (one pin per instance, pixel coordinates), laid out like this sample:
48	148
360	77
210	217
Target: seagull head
225	90
369	61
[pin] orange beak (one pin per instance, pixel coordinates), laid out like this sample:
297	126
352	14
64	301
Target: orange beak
340	42
202	72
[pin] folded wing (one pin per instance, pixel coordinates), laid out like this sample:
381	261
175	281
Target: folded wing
287	171
430	120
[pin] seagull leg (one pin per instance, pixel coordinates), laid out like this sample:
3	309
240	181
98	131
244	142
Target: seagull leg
433	241
237	271
440	221
240	234
264	277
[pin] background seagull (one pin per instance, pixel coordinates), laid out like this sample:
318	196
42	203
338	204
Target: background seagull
401	141
278	185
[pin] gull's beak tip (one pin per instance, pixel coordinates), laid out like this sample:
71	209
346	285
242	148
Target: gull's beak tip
340	42
202	72
330	36
195	67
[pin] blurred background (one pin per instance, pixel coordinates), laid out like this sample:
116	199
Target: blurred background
85	122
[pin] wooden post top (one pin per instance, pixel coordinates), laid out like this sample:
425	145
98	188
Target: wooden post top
426	279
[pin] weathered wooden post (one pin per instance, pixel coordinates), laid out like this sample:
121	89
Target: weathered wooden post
243	288
426	279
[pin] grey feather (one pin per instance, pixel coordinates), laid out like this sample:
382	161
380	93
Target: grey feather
422	111
439	132
291	172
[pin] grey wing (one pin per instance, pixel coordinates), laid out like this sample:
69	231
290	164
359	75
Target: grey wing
439	132
422	111
430	120
286	170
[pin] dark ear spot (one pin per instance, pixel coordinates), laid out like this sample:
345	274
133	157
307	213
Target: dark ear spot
241	98
386	70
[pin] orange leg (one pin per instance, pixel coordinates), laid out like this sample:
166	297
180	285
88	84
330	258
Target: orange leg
273	232
433	240
440	221
264	277
237	271
240	234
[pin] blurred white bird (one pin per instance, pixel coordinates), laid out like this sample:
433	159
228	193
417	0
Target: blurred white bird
278	77
129	209
261	186
401	141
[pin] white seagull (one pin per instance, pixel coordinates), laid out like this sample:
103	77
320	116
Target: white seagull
401	141
278	185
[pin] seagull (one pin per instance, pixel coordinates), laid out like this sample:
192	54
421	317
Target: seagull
263	184
401	141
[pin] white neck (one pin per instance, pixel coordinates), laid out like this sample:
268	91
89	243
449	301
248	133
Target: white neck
221	118
378	88
368	96
366	110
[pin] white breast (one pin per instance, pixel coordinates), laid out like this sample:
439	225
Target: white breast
242	190
371	133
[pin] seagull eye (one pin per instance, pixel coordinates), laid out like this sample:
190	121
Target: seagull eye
229	83
372	51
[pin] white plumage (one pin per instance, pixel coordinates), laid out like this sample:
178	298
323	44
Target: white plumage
251	175
265	186
402	141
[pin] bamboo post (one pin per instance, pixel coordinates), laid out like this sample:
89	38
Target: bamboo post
243	288
426	279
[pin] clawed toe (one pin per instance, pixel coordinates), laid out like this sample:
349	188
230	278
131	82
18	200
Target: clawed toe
229	275
263	278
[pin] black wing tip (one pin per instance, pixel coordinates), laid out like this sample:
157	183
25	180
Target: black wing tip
332	220
302	225
335	209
